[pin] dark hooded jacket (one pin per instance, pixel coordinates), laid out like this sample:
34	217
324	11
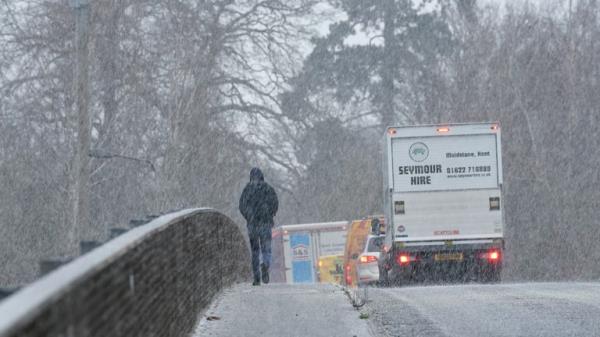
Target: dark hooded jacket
258	203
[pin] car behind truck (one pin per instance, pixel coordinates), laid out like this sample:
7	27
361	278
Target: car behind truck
443	203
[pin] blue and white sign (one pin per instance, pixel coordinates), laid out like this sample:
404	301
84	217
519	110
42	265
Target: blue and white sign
302	269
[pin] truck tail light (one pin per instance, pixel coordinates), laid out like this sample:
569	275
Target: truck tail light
443	129
404	259
492	256
368	259
392	131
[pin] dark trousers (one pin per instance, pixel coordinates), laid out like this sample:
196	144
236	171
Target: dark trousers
260	242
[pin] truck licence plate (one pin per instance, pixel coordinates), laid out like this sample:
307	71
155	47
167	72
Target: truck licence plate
448	257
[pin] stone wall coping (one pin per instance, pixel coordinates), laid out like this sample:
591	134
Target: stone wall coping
35	297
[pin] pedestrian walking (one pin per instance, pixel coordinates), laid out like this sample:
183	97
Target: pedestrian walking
258	205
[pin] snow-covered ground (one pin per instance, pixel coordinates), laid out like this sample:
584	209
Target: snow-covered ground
522	309
277	310
526	309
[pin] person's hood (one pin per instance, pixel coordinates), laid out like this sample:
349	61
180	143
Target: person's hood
256	175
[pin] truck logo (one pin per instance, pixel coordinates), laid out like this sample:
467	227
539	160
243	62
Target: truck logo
418	152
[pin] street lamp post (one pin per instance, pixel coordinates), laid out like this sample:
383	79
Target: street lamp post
81	10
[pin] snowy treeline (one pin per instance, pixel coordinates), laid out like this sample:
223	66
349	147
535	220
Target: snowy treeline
187	95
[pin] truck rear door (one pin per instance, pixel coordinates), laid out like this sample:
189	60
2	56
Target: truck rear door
446	184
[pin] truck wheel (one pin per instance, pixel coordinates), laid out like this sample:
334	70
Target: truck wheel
384	279
490	276
494	276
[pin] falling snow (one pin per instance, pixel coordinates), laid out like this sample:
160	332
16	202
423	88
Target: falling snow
186	96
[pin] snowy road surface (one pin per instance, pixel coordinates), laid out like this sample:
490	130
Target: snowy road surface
279	310
526	309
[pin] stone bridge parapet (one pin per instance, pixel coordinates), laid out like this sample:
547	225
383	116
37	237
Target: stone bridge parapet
152	281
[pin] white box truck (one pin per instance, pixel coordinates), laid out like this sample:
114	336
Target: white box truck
443	203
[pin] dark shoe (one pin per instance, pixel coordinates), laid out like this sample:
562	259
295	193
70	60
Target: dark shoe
264	273
256	283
